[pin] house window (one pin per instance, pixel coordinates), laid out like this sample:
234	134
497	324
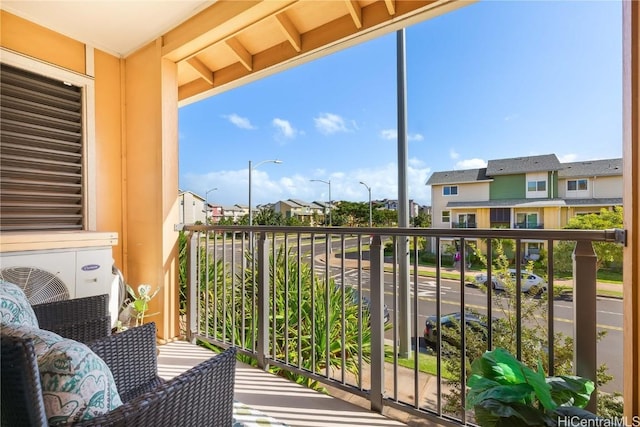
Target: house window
446	216
526	220
450	190
47	148
467	220
577	185
537	186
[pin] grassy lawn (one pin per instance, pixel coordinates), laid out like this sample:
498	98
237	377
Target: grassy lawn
426	363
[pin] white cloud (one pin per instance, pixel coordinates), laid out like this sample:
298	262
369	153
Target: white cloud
241	122
567	158
392	134
470	164
328	123
284	128
345	185
453	154
389	134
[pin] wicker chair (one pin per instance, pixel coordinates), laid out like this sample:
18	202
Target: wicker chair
201	396
80	319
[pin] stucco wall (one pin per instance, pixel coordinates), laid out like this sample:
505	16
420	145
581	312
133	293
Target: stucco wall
468	192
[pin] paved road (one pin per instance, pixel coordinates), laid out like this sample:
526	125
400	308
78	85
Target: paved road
609	312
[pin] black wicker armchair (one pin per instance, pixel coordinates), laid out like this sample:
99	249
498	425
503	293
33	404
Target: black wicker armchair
201	396
80	319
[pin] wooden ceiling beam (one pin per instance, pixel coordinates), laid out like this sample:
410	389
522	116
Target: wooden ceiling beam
243	54
201	69
290	31
391	6
355	11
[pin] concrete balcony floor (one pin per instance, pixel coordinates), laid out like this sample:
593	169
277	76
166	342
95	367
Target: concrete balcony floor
286	401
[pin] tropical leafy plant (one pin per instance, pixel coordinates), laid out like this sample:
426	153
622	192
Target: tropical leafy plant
506	392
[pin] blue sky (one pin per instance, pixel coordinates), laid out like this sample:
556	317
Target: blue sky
495	79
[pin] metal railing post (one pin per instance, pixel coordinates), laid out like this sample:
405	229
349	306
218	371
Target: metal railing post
584	314
192	286
377	324
263	301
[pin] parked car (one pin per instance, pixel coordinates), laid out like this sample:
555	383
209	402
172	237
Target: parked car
449	321
530	282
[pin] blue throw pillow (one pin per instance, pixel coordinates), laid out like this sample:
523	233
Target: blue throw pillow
14	306
42	339
77	385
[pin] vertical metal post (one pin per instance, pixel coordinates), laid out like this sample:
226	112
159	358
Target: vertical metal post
263	301
584	314
192	287
404	318
377	324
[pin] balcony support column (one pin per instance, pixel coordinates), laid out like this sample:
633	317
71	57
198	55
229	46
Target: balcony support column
377	323
262	310
584	314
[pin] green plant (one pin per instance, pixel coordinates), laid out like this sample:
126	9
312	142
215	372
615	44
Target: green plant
136	306
506	392
533	317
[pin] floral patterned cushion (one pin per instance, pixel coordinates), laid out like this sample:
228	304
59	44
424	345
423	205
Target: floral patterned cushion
77	385
42	339
14	306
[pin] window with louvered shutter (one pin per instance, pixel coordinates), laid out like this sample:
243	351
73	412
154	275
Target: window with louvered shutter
41	153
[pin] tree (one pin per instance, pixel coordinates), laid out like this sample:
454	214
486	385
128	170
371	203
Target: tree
534	339
268	216
423	220
608	253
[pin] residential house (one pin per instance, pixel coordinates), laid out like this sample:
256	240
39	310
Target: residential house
234	212
392	204
193	208
294	209
126	86
532	192
214	213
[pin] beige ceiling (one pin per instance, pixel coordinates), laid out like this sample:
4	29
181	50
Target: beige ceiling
222	44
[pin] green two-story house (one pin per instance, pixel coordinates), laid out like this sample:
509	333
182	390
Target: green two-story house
524	192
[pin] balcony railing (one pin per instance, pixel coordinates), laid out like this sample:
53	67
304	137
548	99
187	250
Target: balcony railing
528	225
285	297
464	224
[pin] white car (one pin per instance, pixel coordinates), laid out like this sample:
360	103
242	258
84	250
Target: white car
530	283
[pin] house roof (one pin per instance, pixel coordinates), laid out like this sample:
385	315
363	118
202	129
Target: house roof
458	176
300	202
519	165
604	167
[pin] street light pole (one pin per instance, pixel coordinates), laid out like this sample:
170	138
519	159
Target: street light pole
330	204
250	169
370	210
206	208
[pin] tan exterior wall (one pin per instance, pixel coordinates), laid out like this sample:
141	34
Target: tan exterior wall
466	193
607	186
44	45
110	151
552	218
598	187
37	42
151	128
483	217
